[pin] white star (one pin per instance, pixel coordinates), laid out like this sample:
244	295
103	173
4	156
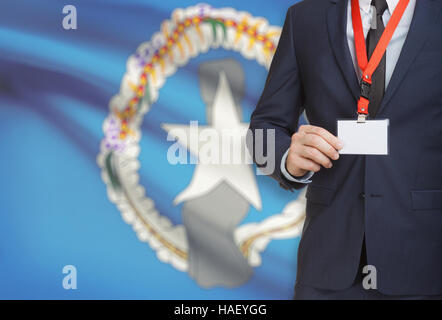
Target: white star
207	176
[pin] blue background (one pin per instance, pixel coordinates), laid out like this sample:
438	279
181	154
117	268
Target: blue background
55	86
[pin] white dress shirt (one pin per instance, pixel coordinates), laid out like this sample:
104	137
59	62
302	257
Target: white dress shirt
392	54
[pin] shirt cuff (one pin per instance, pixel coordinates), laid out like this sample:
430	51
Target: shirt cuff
288	176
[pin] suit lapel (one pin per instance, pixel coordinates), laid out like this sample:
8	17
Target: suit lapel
424	16
337	31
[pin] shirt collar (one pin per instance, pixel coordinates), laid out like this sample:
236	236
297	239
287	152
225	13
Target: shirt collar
365	5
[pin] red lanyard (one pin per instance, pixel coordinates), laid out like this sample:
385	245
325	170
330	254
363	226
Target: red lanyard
368	67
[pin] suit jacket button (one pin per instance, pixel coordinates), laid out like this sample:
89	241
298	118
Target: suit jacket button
362	195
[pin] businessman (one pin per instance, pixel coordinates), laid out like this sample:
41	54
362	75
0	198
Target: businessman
383	211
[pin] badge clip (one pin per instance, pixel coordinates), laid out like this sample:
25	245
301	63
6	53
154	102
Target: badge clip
361	118
364	99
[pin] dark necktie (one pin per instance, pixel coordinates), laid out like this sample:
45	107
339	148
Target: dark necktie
378	77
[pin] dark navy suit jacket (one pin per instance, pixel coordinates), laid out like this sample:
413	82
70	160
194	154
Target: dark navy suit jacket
395	200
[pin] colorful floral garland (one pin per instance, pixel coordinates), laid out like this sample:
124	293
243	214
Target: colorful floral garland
190	32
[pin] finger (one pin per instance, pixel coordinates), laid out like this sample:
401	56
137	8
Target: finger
316	141
316	155
307	164
326	135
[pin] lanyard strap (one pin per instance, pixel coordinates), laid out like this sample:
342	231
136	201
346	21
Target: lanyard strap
368	67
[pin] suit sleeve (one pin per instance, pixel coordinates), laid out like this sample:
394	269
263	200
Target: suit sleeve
279	106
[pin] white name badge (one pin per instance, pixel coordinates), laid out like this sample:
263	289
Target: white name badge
370	137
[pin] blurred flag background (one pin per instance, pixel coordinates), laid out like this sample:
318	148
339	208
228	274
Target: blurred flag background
55	88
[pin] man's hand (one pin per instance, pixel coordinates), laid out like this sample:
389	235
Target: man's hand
311	148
